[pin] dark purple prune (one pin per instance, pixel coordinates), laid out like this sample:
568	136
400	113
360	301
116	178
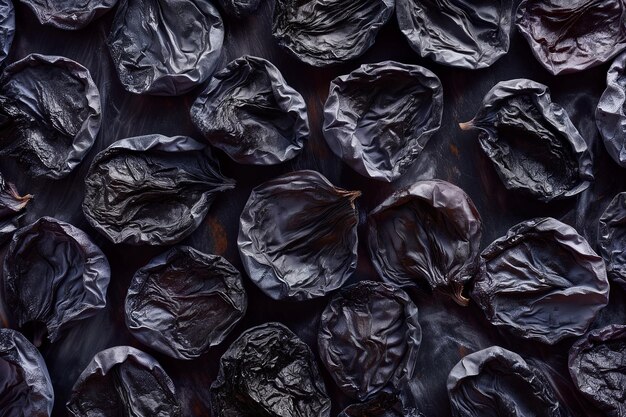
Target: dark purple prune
249	112
298	236
7	28
268	371
49	114
369	337
123	381
379	117
185	301
531	141
239	8
426	236
12	206
611	111
68	14
612	239
542	281
383	405
152	189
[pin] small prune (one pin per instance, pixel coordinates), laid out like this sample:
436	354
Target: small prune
611	111
612	239
12	206
69	14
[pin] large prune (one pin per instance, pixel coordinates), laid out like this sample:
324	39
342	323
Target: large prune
611	111
322	32
239	8
369	338
165	47
612	239
461	33
298	236
7	28
250	112
25	387
496	382
379	117
54	276
428	236
541	281
531	141
123	381
184	301
151	189
572	35
383	405
12	206
49	114
68	14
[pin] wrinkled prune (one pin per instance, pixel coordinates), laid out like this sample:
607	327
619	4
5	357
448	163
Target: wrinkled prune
498	382
379	117
369	338
7	28
542	281
12	206
531	141
322	33
427	235
611	111
54	276
250	112
239	8
460	33
25	387
165	47
185	301
268	371
383	405
572	35
151	189
123	381
298	236
612	239
69	15
49	114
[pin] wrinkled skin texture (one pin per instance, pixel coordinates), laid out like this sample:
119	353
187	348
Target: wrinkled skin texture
298	236
7	28
54	276
369	337
611	111
123	381
426	236
531	141
460	33
49	114
612	239
596	364
12	207
152	189
239	8
68	14
542	281
326	32
496	382
383	405
250	112
185	301
269	372
165	47
572	35
379	117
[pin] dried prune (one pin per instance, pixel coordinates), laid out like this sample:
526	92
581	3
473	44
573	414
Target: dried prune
69	15
612	239
12	206
268	371
322	33
369	338
596	364
54	276
239	8
383	405
7	28
460	33
151	189
531	141
49	114
611	111
165	47
541	281
498	382
298	236
427	236
379	117
572	35
123	381
185	301
250	112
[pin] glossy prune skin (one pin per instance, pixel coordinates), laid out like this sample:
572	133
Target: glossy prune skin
7	28
69	14
12	208
612	239
611	111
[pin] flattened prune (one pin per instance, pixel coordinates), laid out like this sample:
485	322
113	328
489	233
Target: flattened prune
12	206
123	381
379	117
49	114
611	111
239	8
268	371
369	338
68	14
54	276
185	301
612	239
542	281
531	141
7	28
298	236
151	189
250	112
427	236
383	405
